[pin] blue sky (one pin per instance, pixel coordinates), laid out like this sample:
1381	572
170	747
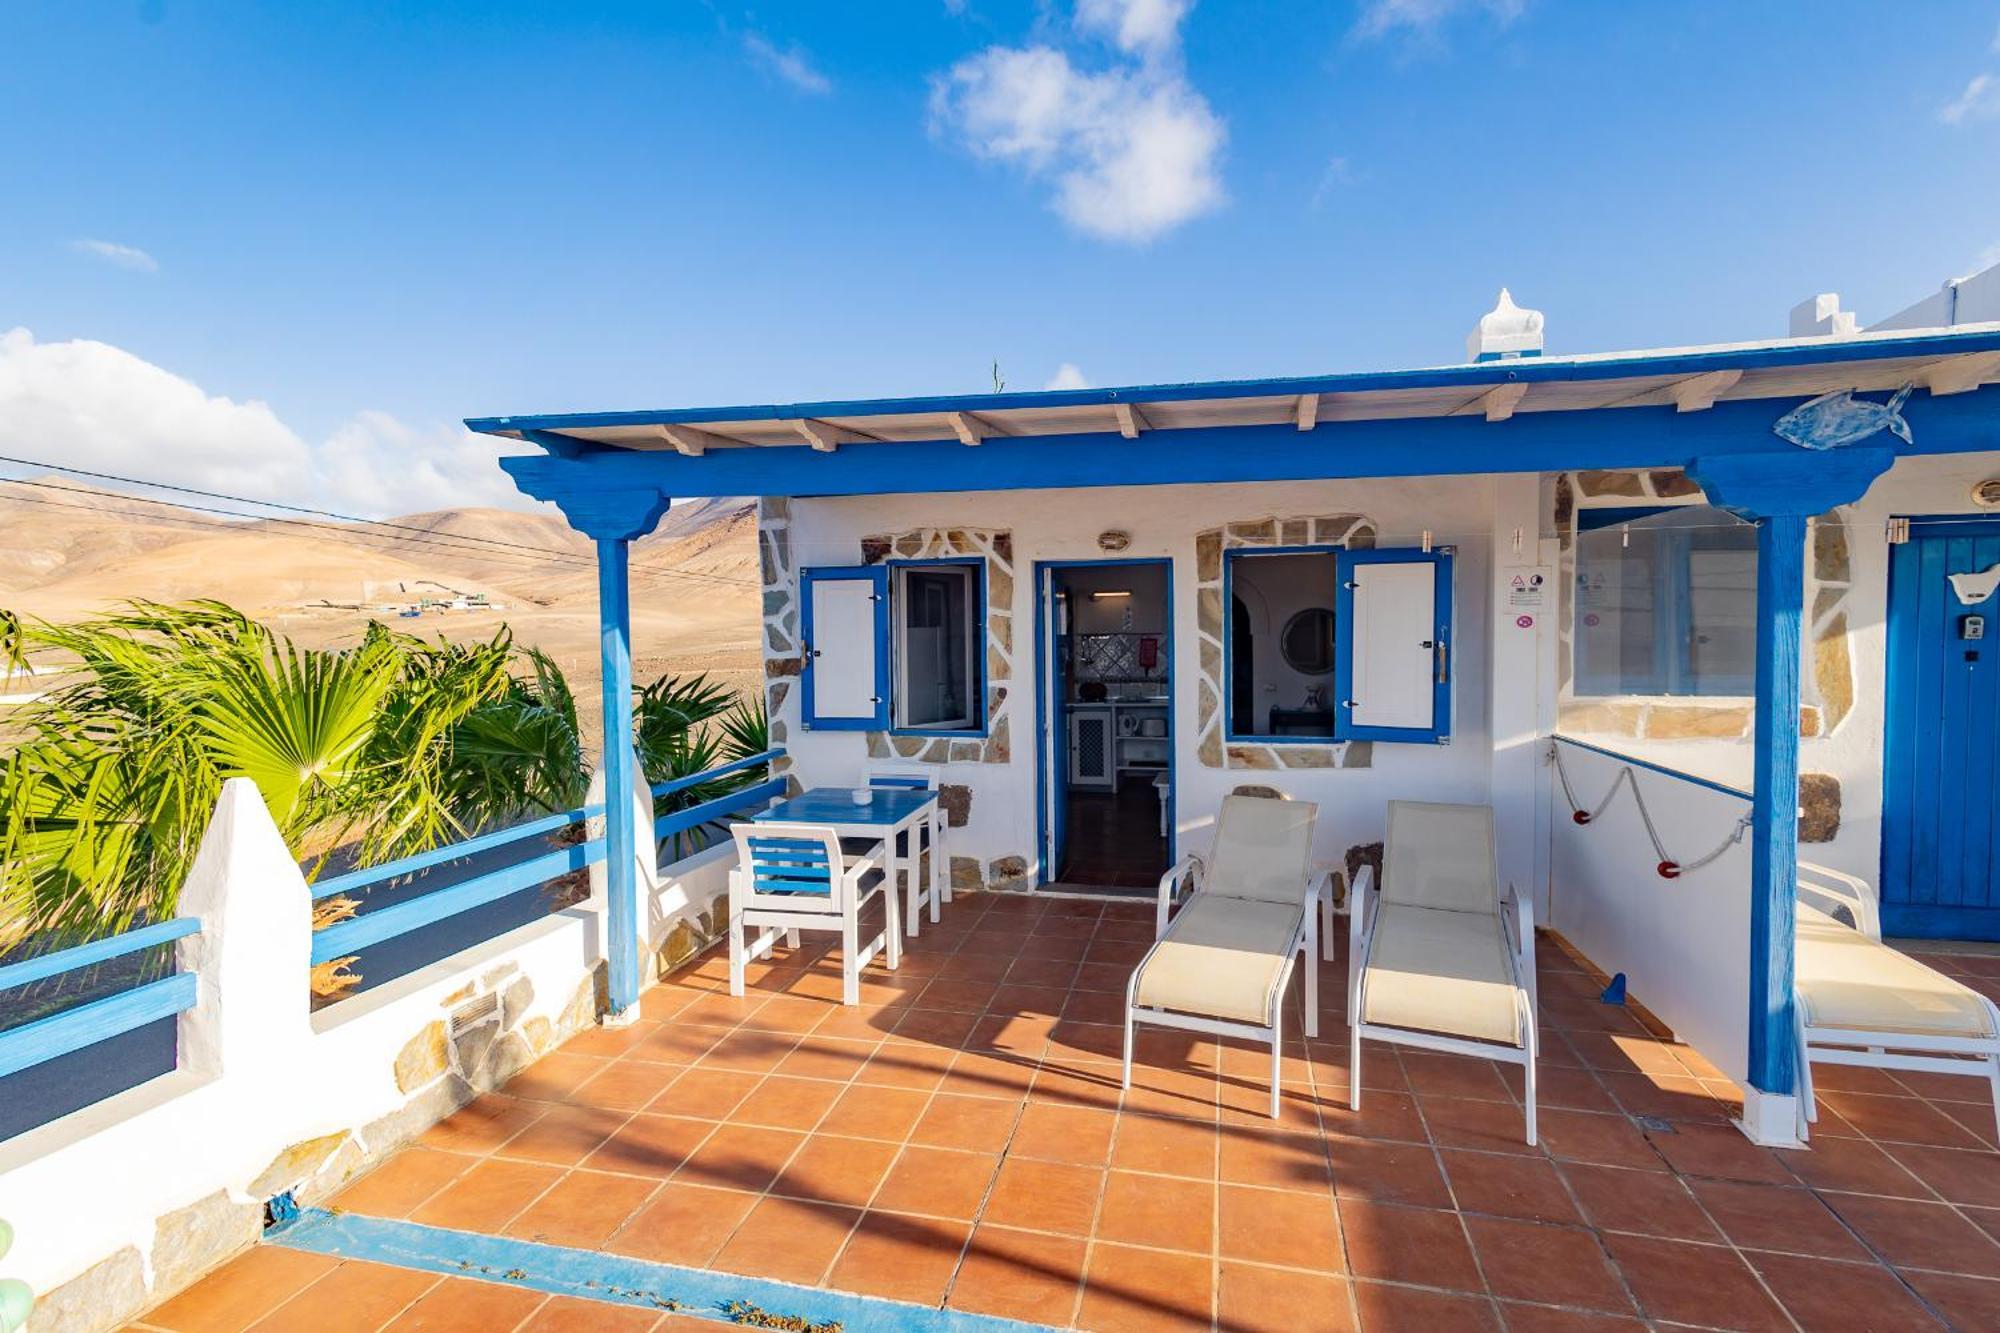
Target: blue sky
377	218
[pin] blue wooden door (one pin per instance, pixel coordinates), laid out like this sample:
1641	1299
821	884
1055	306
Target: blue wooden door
1940	859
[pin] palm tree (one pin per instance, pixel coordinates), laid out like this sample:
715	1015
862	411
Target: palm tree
686	726
391	747
104	799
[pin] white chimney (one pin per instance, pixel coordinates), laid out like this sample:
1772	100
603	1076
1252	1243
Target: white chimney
1505	332
1822	317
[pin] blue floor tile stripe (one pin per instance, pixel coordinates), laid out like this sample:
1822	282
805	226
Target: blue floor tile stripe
613	1278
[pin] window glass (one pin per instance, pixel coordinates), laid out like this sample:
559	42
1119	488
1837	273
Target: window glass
1666	602
1281	643
937	657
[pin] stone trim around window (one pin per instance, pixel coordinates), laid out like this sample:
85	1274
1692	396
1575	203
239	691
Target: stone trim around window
1828	687
1214	750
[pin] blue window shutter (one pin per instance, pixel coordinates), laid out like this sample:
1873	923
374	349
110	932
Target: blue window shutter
844	622
1393	649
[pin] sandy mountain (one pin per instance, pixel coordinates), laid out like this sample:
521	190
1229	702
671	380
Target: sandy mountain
66	554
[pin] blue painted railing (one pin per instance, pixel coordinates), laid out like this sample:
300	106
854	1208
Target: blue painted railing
351	936
86	1024
436	856
671	786
668	827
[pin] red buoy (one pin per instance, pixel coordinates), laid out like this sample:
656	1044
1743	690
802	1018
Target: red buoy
1580	816
1670	870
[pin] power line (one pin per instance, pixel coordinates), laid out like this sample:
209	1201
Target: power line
421	535
511	561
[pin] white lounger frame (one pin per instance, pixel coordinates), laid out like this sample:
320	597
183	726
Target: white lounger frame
1305	940
1521	957
1970	1057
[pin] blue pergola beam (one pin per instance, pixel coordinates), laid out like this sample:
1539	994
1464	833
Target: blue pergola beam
1596	438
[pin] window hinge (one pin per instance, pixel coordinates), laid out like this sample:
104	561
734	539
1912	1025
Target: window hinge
1899	531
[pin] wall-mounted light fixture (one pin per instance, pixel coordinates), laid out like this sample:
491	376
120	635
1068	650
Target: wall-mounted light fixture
1106	594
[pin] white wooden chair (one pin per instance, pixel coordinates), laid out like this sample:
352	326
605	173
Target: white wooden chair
1223	962
793	877
1437	958
1856	1001
929	836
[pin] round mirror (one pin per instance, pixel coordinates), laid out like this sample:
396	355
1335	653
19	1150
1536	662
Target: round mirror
1307	641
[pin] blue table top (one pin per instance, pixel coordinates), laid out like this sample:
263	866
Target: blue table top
836	805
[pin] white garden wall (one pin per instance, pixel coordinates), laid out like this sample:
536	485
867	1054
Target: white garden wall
1683	944
121	1204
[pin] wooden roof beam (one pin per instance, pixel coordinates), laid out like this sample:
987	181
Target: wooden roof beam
1960	374
1130	420
823	436
1308	411
1498	402
971	430
1697	393
690	441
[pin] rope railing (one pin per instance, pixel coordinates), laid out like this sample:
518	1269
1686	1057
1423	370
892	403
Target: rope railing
1669	866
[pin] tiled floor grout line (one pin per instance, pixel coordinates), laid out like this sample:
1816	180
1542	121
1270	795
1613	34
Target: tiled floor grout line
1451	1192
909	1000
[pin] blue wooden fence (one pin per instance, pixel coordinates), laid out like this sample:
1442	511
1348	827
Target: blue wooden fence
86	1024
351	936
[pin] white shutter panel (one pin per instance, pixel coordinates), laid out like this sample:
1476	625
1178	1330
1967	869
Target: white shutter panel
846	676
1393	634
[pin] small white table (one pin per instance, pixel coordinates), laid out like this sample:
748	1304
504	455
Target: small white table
890	816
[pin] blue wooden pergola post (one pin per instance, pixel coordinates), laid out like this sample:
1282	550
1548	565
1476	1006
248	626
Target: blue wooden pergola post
614	628
1774	827
1779	493
614	516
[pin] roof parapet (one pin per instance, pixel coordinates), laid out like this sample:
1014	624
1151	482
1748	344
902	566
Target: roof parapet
1821	317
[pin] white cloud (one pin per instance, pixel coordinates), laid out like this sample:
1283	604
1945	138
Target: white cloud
1067	376
1423	18
1150	28
1132	150
1979	101
91	405
790	64
111	252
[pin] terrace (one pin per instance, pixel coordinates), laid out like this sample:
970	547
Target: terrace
959	1143
575	1116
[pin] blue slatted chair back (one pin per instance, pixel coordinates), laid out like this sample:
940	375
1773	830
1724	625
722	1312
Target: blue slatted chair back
902	780
790	867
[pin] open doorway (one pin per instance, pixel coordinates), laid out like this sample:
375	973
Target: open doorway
1104	639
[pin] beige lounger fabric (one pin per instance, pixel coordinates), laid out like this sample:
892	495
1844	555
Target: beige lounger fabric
1263	849
1440	971
1440	856
1224	954
1849	981
1222	957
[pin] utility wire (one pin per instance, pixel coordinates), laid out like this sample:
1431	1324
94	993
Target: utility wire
199	525
419	535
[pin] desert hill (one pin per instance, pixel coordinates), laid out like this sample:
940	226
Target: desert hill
69	553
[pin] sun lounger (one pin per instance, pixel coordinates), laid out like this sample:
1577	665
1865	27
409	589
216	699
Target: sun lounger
1859	1002
1223	961
1437	958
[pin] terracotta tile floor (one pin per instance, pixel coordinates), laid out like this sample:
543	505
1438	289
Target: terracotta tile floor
960	1140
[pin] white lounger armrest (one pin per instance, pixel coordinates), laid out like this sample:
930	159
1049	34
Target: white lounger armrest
1521	911
1358	911
1825	889
1189	865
